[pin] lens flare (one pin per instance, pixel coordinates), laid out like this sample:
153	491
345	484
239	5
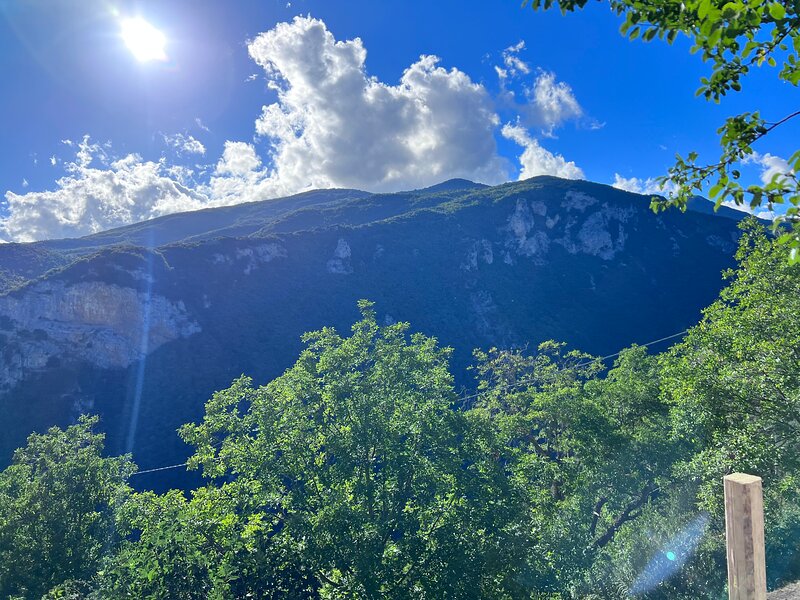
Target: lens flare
144	41
672	557
144	349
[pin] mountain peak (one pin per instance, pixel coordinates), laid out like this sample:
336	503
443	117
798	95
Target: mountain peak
455	184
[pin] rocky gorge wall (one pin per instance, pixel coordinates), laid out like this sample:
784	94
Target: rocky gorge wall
102	324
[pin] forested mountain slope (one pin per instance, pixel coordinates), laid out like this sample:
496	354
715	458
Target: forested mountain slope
228	291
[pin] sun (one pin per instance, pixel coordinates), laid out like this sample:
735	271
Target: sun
143	40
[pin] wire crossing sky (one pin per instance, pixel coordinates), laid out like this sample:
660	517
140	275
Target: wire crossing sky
117	112
501	388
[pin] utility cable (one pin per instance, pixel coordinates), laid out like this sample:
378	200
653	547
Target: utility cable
498	388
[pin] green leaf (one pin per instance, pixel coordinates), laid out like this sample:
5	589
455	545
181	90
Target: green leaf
730	10
777	11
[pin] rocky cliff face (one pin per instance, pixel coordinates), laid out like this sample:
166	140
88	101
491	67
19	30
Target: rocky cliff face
476	267
580	223
102	324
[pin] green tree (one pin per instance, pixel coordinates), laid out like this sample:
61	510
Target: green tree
57	503
735	36
222	543
593	454
357	456
734	388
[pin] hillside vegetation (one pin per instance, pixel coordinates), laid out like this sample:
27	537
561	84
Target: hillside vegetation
140	324
361	473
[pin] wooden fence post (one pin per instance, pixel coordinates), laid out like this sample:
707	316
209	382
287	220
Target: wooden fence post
744	537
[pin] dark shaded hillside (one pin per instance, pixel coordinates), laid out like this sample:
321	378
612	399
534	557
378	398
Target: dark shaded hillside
511	265
21	262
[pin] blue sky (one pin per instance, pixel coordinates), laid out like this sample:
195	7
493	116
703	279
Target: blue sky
93	138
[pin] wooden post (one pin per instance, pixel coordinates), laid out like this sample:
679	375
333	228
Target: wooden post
744	537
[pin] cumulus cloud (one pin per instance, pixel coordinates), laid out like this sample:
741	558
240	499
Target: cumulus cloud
544	104
553	103
335	126
536	160
240	177
185	144
332	125
745	208
97	193
647	187
770	164
238	158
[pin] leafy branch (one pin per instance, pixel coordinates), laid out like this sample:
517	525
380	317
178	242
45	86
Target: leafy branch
735	37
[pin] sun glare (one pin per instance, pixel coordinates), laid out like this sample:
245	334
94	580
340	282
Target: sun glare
143	40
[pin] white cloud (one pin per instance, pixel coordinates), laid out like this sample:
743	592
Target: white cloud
93	198
238	158
239	177
547	103
745	208
536	160
335	126
552	102
180	173
513	63
770	164
647	187
185	144
199	122
764	213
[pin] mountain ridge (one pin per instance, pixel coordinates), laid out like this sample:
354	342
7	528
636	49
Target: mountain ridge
510	265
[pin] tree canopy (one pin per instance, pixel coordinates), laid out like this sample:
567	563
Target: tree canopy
58	502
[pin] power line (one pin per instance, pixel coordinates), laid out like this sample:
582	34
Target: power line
572	368
183	464
476	395
653	343
159	469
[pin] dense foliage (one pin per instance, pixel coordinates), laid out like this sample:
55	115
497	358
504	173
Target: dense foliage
735	36
361	473
58	503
